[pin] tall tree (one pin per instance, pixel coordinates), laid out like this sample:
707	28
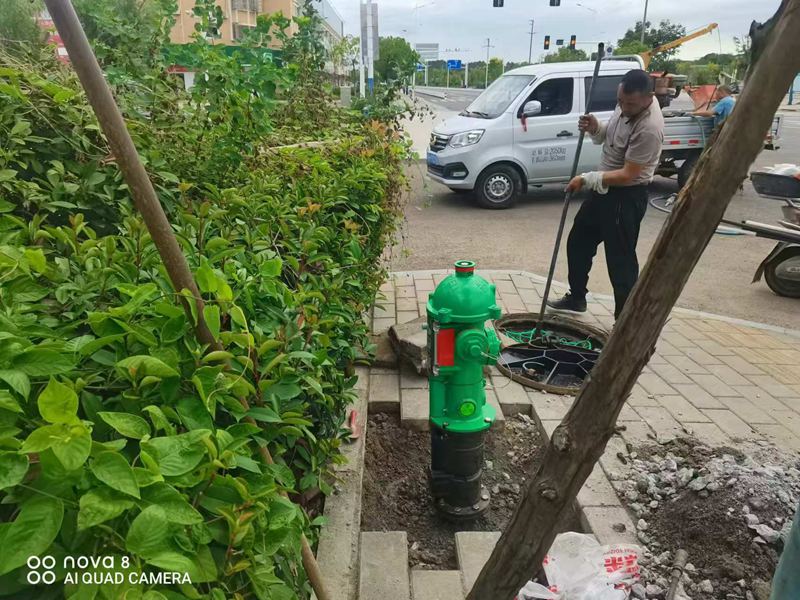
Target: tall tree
397	59
653	36
18	28
566	54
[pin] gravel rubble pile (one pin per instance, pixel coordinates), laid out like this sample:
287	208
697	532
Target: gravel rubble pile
730	510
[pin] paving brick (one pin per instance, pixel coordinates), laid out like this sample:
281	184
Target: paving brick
387	286
505	286
759	397
639	432
772	386
531	296
337	548
683	410
600	520
653	384
751	355
384	566
383	311
641	397
406	304
614	468
714	385
403	279
550	407
709	433
473	549
714	348
410	379
727	374
661	421
779	435
686	365
698	396
597	491
414	409
790	403
384	393
439	277
512	396
657	359
354	450
746	410
784	374
731	424
669	373
513	302
499	417
702	357
741	365
362	381
436	585
522	282
424	285
381	324
406	291
550	426
664	348
405	316
677	340
628	414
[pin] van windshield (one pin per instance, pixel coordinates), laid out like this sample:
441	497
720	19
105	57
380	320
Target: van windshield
495	99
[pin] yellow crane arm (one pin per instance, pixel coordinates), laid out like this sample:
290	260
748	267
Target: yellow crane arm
648	56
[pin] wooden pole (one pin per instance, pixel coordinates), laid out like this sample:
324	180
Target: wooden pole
146	202
580	439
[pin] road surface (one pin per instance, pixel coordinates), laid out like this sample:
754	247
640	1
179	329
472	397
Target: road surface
442	227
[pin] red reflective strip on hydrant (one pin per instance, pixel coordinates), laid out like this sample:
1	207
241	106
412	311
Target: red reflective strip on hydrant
446	347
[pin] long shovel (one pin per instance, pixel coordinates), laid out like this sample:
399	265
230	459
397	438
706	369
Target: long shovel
568	195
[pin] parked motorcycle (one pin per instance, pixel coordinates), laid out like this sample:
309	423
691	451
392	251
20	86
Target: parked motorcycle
781	268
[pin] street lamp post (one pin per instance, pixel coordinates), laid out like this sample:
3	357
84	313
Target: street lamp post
644	21
530	46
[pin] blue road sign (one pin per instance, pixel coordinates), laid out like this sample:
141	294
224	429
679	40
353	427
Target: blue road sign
453	65
420	67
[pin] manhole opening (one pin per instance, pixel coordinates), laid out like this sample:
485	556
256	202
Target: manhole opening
556	360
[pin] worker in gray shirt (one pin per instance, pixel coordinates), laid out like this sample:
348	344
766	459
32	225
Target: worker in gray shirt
632	141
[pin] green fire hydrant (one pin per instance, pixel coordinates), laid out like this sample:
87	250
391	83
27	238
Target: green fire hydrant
459	346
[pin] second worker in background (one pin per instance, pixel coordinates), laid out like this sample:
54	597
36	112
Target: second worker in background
632	141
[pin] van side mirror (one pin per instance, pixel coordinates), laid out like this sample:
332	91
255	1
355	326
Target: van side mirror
532	108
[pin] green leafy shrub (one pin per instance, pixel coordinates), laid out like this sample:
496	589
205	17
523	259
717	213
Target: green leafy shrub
121	436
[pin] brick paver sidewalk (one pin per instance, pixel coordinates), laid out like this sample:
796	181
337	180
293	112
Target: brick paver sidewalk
721	380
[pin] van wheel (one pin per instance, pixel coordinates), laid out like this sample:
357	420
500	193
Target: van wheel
498	187
685	170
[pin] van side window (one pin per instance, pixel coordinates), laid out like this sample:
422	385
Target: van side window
555	96
604	96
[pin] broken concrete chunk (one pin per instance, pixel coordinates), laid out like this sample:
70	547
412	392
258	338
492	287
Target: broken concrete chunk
410	342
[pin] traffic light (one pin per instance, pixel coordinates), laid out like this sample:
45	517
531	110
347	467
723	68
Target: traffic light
497	3
573	40
547	42
555	2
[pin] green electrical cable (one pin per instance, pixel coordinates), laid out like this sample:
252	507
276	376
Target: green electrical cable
526	337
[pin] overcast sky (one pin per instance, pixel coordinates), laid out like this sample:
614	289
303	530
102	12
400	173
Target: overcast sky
466	24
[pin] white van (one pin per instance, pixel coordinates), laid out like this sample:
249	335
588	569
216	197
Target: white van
523	130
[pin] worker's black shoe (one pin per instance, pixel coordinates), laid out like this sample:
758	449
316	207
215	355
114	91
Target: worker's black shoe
568	302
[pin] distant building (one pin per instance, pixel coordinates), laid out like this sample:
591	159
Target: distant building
240	16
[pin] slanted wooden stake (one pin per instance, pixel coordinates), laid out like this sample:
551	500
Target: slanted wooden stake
146	202
579	441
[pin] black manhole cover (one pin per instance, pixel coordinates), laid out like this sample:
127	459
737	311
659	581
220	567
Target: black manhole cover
557	361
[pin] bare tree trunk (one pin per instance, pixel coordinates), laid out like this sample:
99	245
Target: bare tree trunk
579	441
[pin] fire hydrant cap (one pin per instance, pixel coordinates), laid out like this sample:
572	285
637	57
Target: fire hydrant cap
463	297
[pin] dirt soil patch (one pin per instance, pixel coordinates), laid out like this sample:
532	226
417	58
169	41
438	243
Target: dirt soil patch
396	495
730	509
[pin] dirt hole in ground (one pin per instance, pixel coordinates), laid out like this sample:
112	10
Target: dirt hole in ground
396	496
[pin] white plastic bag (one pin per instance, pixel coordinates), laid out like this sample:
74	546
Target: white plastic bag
579	568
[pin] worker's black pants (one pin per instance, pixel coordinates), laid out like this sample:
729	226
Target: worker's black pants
612	219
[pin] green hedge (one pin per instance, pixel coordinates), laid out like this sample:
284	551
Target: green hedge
120	436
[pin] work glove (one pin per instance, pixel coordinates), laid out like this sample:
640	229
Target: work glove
594	181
